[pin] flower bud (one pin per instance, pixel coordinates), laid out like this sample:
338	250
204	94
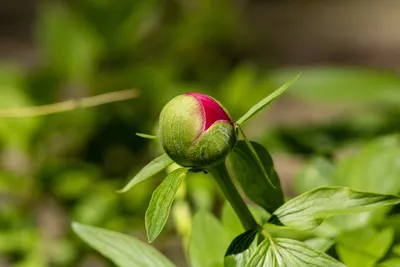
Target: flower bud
196	131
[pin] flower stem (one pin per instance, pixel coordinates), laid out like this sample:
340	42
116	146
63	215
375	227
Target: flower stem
221	175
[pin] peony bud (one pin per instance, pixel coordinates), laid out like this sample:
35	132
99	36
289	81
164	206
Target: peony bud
196	131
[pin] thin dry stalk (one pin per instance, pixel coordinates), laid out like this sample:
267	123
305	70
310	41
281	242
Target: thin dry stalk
69	105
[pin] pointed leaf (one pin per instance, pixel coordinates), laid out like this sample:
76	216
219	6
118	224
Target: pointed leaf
396	249
257	159
123	250
283	252
365	169
392	262
241	242
252	179
154	167
364	247
308	210
161	201
347	85
241	249
241	259
263	103
146	136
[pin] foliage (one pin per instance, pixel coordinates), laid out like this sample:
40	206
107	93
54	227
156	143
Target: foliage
304	212
66	167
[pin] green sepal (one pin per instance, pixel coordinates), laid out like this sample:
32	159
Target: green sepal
213	146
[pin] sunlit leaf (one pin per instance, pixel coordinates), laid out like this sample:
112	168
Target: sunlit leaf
343	84
283	252
308	210
396	249
375	168
392	262
154	167
161	201
364	247
123	250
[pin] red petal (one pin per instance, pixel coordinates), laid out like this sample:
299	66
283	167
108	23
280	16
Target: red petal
212	109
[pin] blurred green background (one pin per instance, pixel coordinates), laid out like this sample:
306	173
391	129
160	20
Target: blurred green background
66	167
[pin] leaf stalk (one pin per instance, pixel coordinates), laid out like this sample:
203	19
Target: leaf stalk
221	176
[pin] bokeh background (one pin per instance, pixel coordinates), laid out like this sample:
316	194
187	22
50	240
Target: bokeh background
65	167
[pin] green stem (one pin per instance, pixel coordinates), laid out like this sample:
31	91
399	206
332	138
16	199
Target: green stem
221	175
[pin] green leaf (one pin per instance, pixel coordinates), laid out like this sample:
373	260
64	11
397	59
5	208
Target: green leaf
241	242
154	167
146	136
308	210
208	241
366	169
123	250
283	252
251	177
348	85
267	100
396	249
392	221
364	247
320	243
161	201
255	156
241	249
392	262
